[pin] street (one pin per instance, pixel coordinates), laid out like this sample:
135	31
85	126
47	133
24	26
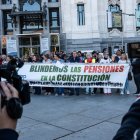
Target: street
83	117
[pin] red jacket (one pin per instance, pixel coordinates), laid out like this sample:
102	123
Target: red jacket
89	60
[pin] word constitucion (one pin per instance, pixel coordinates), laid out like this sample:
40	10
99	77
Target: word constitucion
75	73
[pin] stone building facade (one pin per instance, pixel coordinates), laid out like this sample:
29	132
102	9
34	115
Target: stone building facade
30	26
39	25
108	23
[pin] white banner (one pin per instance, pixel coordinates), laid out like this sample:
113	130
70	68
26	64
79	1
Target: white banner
75	75
44	45
11	47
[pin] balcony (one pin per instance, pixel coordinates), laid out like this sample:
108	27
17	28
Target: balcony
6	2
55	29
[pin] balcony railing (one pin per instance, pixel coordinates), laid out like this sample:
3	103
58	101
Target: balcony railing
6	1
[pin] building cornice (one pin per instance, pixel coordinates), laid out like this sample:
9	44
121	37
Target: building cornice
80	1
113	2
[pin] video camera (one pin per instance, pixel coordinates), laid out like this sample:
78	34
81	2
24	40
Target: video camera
9	72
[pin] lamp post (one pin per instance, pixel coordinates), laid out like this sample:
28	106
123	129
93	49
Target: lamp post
123	14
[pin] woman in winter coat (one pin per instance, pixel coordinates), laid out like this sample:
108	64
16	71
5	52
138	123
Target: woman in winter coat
106	60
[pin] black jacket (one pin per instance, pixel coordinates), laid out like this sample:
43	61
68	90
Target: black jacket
74	60
8	134
136	66
130	123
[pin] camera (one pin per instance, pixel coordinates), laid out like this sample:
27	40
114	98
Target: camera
9	72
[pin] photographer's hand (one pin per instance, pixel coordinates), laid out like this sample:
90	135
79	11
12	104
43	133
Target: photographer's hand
5	121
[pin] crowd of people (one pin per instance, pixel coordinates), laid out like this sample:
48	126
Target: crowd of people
130	126
75	57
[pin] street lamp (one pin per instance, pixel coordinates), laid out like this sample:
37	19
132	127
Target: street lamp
123	14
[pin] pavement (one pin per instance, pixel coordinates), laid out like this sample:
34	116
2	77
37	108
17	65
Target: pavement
83	117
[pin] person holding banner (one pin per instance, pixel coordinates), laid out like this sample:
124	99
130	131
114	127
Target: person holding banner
35	59
80	57
94	57
58	61
105	60
123	60
46	59
74	59
97	57
89	59
30	58
117	56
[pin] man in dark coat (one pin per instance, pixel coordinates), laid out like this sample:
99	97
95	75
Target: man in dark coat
74	59
136	73
130	124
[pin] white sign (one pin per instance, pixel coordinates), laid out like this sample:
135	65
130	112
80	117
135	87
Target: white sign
44	44
75	75
11	47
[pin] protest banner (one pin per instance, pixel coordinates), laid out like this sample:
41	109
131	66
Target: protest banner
75	75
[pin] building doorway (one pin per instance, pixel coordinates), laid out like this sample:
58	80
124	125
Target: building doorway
55	42
29	44
25	51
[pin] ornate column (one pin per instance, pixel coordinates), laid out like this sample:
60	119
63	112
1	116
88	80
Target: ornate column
14	20
129	15
45	23
95	19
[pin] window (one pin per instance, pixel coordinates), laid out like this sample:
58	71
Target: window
54	18
139	6
24	41
80	14
138	17
114	17
29	40
6	1
114	8
7	23
31	22
53	0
